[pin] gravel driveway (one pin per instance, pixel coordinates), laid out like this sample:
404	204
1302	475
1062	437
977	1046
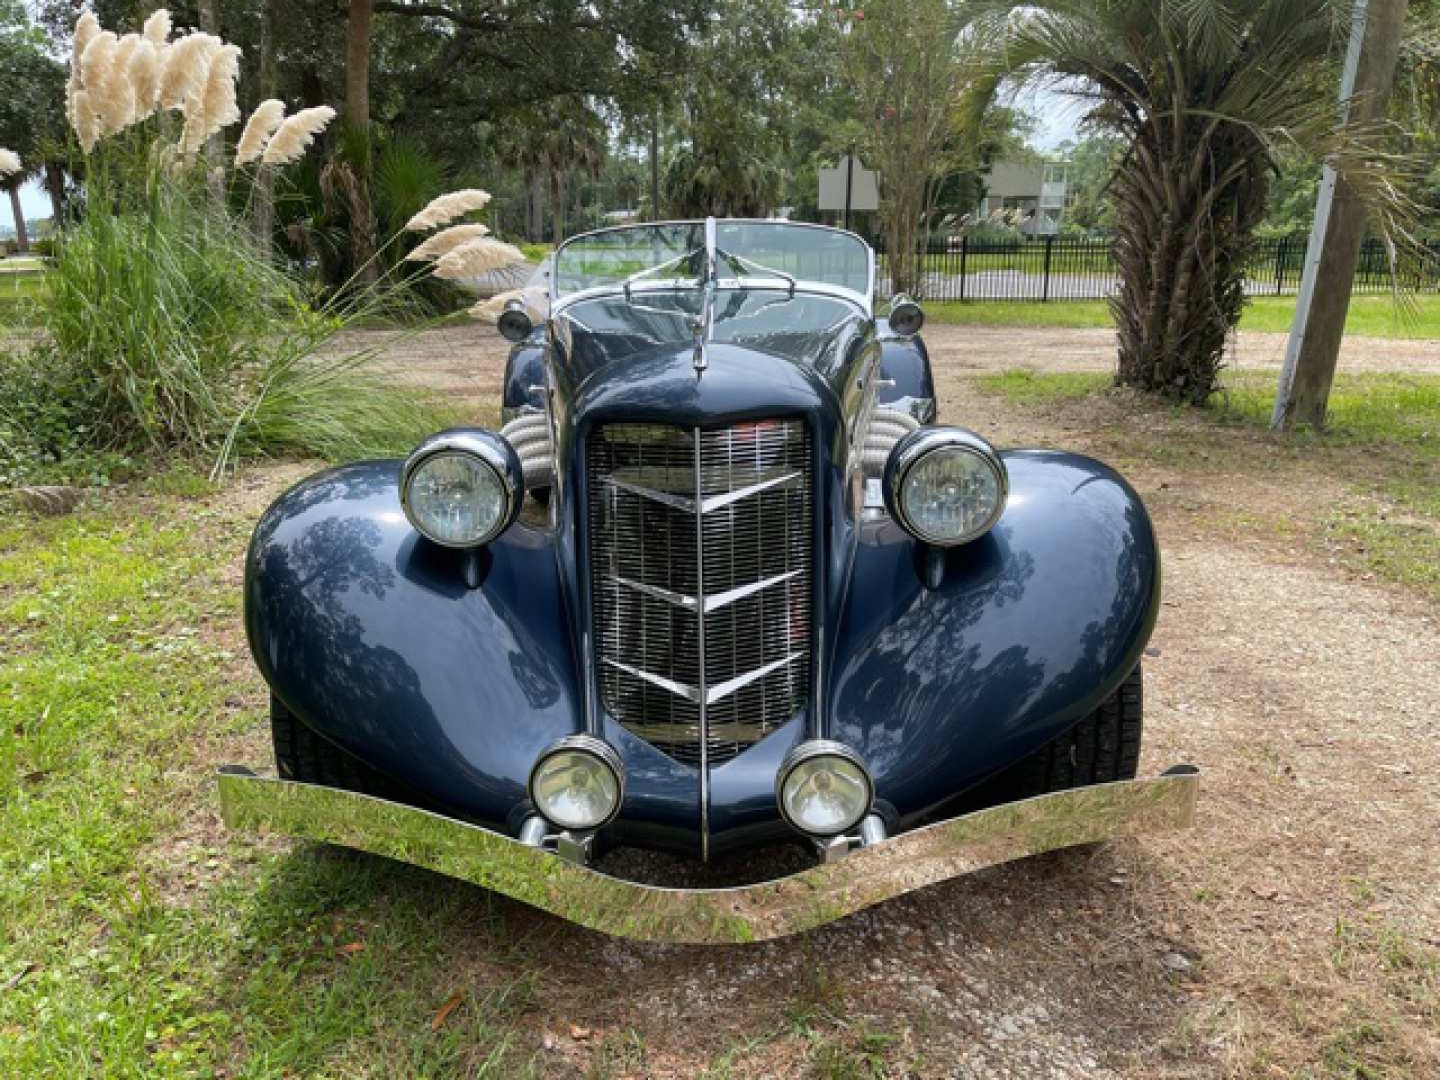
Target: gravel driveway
998	348
1268	941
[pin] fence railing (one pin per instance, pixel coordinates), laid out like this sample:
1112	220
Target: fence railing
1065	268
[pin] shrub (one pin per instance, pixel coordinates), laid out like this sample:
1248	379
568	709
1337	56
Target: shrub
169	327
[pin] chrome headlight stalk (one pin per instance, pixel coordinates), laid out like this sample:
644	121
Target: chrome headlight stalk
946	486
462	488
823	789
578	783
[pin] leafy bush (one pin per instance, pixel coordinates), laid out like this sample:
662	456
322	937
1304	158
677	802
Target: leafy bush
177	333
168	327
44	433
162	313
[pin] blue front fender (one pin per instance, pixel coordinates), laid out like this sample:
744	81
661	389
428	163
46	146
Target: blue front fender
374	638
1030	629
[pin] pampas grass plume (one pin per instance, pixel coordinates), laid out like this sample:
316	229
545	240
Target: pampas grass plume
491	310
442	243
157	27
97	59
86	29
267	116
187	63
117	102
9	162
295	135
85	121
124	51
446	208
476	258
211	106
145	71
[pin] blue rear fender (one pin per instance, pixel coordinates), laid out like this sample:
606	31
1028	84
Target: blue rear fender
908	384
523	387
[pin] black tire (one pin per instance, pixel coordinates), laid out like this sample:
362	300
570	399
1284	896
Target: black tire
1101	748
307	758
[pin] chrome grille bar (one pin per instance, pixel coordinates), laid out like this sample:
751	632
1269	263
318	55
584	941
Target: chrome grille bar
701	560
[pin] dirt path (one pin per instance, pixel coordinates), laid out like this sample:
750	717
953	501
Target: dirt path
1293	931
998	348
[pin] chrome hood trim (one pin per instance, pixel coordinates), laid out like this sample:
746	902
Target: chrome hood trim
770	909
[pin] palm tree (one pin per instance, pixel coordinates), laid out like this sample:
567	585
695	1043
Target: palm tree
1204	94
12	183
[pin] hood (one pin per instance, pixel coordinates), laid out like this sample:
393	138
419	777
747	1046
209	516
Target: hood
769	354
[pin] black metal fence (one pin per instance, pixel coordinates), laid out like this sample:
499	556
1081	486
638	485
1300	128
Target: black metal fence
1065	268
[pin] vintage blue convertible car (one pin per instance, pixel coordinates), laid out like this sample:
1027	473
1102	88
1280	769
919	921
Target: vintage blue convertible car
721	581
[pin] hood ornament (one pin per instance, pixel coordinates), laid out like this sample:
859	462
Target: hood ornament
702	327
698	329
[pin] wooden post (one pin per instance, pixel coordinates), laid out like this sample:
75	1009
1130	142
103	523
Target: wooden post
1330	258
214	150
357	119
263	219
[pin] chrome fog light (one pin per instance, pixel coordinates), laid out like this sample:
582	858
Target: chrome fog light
946	486
823	788
462	488
578	783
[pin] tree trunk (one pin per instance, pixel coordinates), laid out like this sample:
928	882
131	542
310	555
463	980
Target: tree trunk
536	223
209	11
557	205
263	211
1304	393
22	239
357	117
1183	235
55	188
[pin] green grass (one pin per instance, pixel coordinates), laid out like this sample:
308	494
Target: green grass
1369	316
1030	261
1026	387
1383	439
141	940
19	290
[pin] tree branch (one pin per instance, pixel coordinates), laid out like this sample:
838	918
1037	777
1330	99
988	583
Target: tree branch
482	22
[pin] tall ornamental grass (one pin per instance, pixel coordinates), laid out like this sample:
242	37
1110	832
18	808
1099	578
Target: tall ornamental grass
166	325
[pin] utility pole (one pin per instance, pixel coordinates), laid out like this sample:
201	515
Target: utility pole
849	181
1339	228
655	165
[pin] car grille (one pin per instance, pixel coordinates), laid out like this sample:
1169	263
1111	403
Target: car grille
702	630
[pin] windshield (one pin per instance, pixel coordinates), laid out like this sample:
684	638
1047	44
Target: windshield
674	253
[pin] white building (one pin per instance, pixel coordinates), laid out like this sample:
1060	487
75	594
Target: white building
1033	197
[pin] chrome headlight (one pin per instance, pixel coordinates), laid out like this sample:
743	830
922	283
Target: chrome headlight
462	488
578	783
823	788
946	486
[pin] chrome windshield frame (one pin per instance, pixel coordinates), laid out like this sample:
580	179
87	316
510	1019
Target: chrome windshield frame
863	301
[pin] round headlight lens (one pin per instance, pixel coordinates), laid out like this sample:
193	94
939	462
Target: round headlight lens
951	495
456	499
575	789
825	794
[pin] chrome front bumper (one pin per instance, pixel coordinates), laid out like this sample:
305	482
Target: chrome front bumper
770	909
